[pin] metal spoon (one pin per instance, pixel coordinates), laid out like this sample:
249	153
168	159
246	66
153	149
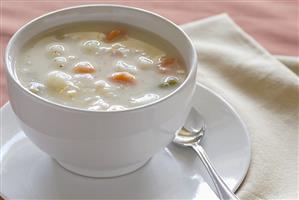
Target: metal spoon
190	136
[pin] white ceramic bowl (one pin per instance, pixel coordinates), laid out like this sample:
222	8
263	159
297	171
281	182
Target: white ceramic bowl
96	143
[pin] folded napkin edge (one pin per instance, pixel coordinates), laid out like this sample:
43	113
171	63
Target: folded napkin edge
247	39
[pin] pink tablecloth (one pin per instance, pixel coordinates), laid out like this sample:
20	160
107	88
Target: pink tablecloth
274	24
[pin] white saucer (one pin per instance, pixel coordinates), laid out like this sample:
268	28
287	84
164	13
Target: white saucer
175	172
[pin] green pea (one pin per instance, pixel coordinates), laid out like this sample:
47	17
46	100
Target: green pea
163	85
169	81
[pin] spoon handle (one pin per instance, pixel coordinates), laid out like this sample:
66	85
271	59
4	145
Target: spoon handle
224	192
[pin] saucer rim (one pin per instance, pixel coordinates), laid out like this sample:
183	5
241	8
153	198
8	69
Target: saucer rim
246	130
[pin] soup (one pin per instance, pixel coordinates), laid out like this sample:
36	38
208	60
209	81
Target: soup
100	66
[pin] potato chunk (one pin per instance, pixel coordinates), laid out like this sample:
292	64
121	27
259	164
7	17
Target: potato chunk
145	63
105	89
55	50
122	66
116	108
57	80
147	98
90	46
59	62
35	87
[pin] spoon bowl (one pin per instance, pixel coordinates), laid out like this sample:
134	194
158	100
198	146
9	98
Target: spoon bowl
193	130
190	136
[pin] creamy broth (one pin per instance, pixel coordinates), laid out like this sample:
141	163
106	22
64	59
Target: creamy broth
100	66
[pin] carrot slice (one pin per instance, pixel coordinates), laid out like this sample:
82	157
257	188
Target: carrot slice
123	77
114	34
84	69
167	62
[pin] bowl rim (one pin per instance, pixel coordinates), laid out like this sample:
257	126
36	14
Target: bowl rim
76	109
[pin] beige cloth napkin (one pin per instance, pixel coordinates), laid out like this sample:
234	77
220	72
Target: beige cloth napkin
264	92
